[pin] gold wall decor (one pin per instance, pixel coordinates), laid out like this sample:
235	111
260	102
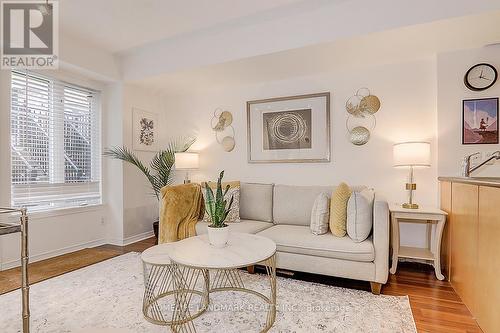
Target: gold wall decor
360	121
221	124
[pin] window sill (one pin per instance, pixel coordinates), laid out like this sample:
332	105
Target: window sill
63	211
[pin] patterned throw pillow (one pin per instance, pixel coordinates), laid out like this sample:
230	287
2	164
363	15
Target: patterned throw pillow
234	190
338	210
320	214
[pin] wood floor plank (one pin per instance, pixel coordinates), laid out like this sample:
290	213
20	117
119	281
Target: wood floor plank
435	305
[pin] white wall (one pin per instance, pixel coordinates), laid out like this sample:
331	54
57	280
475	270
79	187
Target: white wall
112	170
451	91
139	201
408	95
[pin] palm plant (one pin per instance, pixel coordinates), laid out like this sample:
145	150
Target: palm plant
159	172
217	207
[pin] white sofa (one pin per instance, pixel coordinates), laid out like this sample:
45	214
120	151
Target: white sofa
282	213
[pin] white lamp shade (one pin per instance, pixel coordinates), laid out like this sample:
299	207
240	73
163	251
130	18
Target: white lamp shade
187	161
412	154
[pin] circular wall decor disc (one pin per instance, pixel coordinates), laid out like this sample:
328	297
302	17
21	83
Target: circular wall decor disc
353	105
228	143
223	121
370	104
359	135
228	118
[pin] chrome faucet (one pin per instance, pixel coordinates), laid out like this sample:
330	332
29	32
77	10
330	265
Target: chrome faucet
467	168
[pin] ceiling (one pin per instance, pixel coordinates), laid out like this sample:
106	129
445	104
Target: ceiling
159	40
387	47
119	25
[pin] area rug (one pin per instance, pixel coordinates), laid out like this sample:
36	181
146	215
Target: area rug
108	295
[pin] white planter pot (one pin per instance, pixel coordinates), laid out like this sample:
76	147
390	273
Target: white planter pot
218	237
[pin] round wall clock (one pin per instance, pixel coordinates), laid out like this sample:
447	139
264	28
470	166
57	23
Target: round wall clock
480	77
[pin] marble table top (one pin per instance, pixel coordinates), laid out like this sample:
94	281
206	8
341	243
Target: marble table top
242	250
157	255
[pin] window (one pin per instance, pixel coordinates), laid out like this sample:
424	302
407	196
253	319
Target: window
55	143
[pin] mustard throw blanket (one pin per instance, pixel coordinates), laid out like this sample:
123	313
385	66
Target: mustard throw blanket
180	209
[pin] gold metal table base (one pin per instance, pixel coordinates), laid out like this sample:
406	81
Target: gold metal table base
186	277
159	284
22	227
183	282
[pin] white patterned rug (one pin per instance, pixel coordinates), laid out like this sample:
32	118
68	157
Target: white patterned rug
109	295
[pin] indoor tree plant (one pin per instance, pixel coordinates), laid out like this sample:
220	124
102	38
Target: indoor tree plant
217	209
159	171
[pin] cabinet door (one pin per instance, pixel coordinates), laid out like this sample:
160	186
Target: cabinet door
488	272
464	231
445	190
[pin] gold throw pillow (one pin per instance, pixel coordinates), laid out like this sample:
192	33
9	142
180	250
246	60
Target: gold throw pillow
338	210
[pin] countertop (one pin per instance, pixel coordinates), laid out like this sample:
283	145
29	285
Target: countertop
481	181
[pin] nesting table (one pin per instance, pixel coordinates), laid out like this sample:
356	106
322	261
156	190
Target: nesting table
192	269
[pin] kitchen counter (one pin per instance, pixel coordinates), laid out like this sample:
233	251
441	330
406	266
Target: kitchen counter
481	181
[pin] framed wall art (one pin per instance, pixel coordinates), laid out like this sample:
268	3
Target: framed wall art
480	121
144	129
292	129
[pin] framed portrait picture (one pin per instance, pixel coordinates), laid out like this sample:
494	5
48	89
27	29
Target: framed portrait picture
144	129
292	129
480	121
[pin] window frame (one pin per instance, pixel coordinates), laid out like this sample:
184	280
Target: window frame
95	198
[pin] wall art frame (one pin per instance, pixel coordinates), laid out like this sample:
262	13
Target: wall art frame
291	129
144	130
480	121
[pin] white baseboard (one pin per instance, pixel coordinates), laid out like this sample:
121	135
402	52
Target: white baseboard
73	248
52	253
131	239
139	237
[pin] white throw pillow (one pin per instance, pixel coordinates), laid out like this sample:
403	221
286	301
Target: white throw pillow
360	214
320	214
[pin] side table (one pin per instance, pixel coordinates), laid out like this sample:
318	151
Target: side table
427	215
22	227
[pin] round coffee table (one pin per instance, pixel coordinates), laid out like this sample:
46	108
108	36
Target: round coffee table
193	257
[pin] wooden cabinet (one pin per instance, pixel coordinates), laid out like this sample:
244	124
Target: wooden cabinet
473	248
464	210
487	307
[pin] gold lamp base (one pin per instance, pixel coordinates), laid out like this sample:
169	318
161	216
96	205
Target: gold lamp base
411	186
410	205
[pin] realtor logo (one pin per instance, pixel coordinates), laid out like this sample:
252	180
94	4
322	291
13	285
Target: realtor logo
29	34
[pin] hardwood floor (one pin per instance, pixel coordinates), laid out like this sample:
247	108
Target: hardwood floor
435	305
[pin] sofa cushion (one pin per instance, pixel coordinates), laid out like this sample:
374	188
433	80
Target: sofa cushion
298	239
256	202
246	226
293	204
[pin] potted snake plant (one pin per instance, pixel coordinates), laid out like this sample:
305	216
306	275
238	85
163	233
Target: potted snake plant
218	209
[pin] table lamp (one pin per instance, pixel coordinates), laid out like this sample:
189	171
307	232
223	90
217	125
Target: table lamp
412	154
187	161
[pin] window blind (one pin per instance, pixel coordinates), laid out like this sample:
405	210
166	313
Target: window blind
55	143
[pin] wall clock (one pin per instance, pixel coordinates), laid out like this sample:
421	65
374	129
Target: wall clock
480	77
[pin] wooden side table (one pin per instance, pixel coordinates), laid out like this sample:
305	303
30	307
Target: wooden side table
425	215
